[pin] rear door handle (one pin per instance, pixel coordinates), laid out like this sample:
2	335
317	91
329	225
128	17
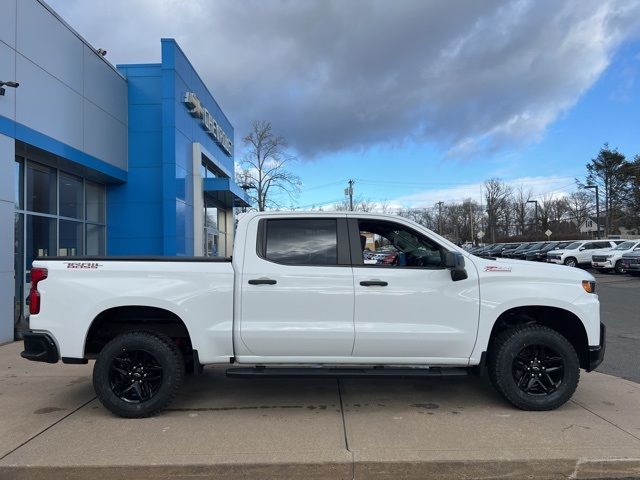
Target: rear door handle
373	283
262	281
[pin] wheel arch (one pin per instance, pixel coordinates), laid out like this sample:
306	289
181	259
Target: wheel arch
121	319
567	323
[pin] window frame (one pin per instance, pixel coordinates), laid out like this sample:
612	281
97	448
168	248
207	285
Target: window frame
343	255
358	258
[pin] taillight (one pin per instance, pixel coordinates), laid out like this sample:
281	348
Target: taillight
37	275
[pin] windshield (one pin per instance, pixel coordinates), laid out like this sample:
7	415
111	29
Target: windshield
573	246
625	246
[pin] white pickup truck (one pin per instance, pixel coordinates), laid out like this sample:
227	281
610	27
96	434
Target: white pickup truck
297	298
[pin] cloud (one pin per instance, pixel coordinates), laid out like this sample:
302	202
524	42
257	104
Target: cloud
469	76
541	187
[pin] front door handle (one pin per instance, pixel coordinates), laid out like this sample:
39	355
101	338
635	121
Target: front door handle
373	283
262	281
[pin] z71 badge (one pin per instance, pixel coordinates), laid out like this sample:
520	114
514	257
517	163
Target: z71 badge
83	265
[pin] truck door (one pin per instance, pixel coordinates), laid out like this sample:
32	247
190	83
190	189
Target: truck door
297	289
406	303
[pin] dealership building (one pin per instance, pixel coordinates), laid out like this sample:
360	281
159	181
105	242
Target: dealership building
96	159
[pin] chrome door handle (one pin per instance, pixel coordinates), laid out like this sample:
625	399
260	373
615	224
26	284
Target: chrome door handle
373	283
262	281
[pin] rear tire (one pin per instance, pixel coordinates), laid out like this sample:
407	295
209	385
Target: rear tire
534	367
137	374
571	262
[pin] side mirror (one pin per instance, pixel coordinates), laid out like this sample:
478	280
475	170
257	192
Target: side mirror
454	261
581	249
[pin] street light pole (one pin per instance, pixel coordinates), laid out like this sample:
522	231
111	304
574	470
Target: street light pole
440	217
597	209
535	229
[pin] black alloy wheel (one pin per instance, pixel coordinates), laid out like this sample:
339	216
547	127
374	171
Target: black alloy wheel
619	269
135	376
538	370
533	367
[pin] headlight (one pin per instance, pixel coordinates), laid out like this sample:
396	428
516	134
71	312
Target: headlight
589	286
607	256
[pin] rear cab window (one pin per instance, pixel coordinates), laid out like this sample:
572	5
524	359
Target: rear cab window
303	241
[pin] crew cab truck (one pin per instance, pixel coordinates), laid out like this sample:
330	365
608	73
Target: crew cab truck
298	293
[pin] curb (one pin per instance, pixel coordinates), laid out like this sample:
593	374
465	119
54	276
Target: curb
581	469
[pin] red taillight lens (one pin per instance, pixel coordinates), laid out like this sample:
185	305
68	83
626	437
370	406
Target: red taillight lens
37	275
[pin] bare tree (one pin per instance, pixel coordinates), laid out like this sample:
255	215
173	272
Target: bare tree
521	198
359	205
496	195
578	207
264	173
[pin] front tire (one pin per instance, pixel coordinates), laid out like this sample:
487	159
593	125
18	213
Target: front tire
534	367
619	269
571	262
137	374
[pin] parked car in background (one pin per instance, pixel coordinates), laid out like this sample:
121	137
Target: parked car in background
612	260
507	248
522	253
631	262
518	249
580	252
540	254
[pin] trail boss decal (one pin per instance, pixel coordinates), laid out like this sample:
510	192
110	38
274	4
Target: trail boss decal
496	268
83	265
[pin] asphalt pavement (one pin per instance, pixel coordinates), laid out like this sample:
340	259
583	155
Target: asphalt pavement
620	311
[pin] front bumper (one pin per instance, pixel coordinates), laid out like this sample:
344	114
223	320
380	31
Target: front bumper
633	267
39	347
596	354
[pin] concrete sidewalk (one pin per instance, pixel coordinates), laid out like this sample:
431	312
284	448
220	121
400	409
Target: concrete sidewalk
52	427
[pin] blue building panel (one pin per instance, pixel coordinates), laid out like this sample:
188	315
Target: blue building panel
161	136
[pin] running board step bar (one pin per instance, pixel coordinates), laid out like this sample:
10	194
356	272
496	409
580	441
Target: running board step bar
247	372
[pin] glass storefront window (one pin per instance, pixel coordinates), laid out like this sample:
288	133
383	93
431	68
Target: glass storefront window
44	224
71	194
211	217
41	189
41	238
95	202
18	183
70	239
95	239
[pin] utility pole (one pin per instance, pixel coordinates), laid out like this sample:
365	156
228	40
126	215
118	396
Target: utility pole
535	219
597	209
349	191
440	217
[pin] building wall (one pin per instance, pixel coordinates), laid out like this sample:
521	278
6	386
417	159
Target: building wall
7	209
67	92
134	209
153	213
70	103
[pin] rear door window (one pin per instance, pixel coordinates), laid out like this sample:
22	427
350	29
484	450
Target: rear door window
302	241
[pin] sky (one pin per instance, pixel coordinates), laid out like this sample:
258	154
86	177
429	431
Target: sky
417	101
